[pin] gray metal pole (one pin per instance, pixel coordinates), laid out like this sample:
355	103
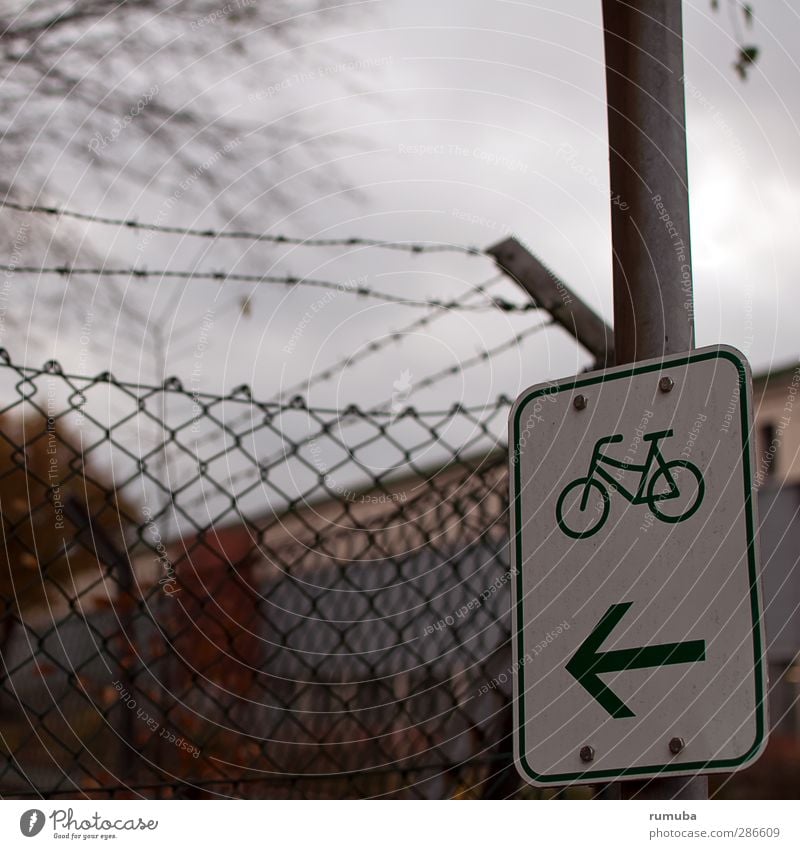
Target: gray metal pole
653	311
647	140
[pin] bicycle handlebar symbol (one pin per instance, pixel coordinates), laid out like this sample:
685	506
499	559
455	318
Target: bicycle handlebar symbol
674	483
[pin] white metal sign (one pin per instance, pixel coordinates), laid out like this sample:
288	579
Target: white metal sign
636	616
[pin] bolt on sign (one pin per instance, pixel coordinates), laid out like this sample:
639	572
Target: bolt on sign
633	519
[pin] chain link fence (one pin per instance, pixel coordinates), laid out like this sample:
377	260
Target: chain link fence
212	596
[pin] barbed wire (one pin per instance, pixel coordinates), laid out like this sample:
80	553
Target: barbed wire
278	280
379	344
370	349
208	233
353	414
482	357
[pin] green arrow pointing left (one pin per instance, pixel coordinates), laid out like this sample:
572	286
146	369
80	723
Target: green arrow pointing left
588	662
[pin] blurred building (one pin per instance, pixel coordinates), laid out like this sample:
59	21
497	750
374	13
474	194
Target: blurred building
777	400
391	606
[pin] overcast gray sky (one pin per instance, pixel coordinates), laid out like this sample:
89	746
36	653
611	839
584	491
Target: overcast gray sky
450	121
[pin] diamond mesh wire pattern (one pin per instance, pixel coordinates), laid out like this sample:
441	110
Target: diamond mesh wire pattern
212	596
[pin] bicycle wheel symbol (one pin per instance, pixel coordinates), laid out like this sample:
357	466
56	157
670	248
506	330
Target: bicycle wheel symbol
582	508
675	491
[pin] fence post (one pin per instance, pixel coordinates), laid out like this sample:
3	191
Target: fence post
550	293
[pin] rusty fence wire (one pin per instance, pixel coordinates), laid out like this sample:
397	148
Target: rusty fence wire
206	596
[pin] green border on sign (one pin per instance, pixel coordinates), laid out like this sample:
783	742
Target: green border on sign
605	377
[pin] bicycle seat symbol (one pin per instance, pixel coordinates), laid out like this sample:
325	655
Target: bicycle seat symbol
672	489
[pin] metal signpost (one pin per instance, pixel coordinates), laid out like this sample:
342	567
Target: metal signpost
637	633
652	261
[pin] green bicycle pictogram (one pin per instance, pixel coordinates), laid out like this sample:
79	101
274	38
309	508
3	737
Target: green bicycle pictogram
676	484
